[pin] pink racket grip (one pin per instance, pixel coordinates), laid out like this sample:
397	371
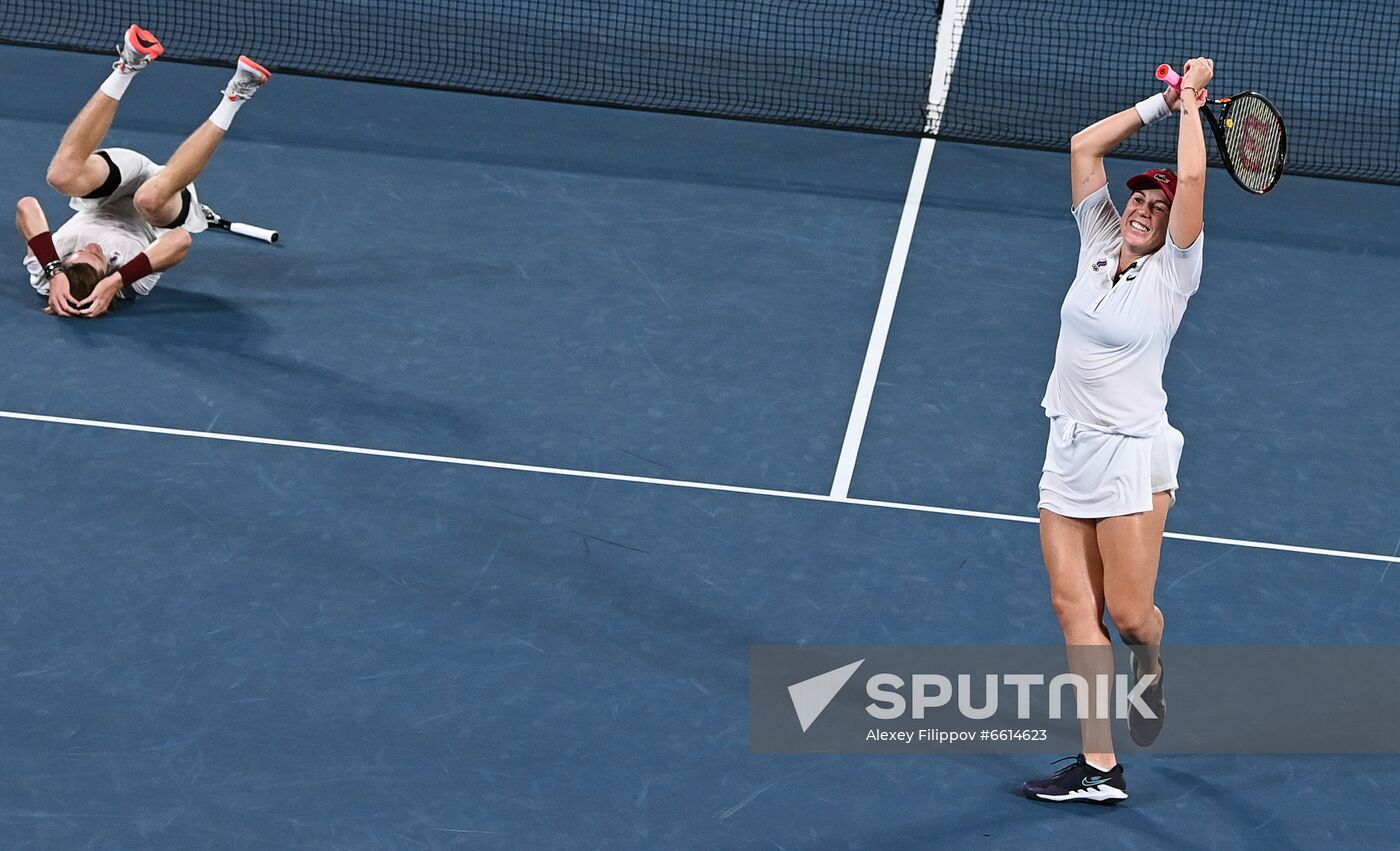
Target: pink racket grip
1168	76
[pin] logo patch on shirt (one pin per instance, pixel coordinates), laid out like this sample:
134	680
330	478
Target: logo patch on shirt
1099	264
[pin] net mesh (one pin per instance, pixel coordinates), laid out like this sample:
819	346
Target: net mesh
1032	72
1026	72
858	64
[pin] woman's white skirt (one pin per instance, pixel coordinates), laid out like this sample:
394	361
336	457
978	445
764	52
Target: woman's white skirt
1090	473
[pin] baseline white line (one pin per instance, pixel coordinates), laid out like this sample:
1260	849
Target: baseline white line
406	456
1288	548
644	480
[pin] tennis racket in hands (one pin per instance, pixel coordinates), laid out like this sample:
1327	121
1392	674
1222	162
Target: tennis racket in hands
1249	134
250	231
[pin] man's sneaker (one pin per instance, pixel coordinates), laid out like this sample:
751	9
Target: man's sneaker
1079	782
1145	730
137	50
246	80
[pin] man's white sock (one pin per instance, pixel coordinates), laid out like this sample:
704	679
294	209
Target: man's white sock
115	84
224	113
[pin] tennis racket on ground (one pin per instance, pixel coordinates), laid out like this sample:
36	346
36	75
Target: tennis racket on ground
1249	134
240	228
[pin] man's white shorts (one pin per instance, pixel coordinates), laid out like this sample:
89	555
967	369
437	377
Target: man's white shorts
136	168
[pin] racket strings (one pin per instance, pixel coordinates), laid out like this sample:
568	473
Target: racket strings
1254	142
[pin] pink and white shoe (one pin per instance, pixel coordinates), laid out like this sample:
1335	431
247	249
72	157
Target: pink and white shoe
246	80
138	49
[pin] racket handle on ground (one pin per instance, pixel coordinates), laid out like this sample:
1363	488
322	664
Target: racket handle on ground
255	232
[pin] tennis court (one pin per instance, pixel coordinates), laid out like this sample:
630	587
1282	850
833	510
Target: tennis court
450	520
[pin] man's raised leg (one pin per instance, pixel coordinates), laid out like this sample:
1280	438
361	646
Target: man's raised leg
76	170
159	199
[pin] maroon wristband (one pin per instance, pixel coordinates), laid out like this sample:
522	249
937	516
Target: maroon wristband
135	269
41	246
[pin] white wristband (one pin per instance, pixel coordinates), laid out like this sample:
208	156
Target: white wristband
1153	109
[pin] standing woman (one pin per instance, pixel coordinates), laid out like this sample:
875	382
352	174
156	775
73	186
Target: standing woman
1110	463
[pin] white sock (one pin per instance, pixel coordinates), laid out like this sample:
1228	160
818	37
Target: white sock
224	113
115	84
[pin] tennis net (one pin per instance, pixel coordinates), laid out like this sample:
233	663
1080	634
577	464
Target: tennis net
857	64
1025	72
1032	72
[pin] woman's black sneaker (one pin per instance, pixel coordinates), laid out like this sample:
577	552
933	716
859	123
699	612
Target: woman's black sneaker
1079	782
1145	730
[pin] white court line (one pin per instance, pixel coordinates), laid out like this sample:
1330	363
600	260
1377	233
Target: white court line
643	480
875	351
945	58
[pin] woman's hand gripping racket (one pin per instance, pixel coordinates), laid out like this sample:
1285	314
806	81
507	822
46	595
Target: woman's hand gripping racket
250	231
1249	134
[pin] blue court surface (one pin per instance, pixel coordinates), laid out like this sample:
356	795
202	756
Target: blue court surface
216	643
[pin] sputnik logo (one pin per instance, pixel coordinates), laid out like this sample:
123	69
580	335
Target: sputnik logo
811	697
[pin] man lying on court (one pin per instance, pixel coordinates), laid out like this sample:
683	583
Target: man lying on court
134	218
